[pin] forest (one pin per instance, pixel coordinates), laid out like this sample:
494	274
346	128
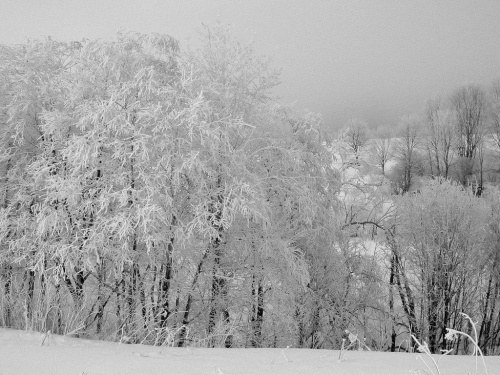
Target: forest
158	195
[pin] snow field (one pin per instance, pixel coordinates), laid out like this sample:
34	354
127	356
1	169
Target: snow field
21	353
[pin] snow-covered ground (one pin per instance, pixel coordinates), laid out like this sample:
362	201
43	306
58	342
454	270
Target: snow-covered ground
22	353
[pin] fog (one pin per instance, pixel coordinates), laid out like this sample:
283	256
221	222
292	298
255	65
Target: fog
375	60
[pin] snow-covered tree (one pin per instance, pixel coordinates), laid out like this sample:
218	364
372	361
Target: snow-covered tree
152	184
441	235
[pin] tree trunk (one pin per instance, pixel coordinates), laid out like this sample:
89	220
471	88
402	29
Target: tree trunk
257	312
7	295
391	303
432	314
300	328
404	289
219	282
101	276
119	301
187	309
75	286
132	298
219	293
30	290
165	286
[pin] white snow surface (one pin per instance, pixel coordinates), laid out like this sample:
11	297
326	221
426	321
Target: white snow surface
21	353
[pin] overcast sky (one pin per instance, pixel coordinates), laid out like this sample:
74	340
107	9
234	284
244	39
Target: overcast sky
370	59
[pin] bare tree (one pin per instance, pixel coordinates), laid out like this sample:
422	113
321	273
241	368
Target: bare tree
470	106
381	146
408	140
440	137
356	136
494	113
